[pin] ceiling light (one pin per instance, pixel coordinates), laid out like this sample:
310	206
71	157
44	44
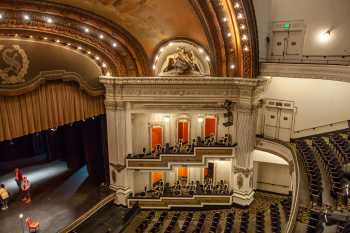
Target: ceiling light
104	65
232	66
26	17
108	73
87	30
97	58
207	58
49	20
45	38
201	50
31	36
229	34
79	47
237	5
224	19
154	67
161	49
242	26
244	37
101	36
89	52
200	119
239	16
1	16
58	41
246	49
69	44
157	57
114	44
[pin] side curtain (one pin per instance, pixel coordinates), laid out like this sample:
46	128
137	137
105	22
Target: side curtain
49	106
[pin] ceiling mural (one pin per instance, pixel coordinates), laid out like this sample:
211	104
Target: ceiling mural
150	21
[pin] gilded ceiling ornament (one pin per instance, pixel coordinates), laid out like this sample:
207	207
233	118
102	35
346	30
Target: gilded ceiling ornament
14	64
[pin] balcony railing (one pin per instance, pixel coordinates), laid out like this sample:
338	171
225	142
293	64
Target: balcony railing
311	59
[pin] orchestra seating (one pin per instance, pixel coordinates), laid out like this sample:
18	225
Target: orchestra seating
287	205
275	218
331	165
312	170
230	221
260	222
244	222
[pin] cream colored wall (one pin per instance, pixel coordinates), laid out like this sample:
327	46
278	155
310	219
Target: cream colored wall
318	102
272	177
318	15
141	178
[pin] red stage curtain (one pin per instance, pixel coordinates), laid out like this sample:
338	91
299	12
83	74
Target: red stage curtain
210	126
157	137
183	131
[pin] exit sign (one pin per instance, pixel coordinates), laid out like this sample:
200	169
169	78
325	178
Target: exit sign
286	25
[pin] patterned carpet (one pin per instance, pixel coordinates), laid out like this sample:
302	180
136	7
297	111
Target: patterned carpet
262	202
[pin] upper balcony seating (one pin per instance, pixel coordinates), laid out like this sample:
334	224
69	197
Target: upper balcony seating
275	218
341	146
312	170
314	222
331	165
287	205
260	222
181	148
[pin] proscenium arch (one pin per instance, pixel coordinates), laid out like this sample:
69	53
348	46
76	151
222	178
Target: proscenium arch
126	58
222	21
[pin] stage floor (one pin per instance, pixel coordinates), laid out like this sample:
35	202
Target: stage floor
58	197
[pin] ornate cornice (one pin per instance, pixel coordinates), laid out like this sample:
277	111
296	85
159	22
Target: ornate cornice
128	58
310	71
47	76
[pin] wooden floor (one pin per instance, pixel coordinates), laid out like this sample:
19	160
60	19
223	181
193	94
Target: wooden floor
57	200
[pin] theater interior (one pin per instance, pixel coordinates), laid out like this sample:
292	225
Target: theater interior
175	116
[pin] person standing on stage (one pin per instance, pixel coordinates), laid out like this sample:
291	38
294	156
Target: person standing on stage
26	190
19	178
4	196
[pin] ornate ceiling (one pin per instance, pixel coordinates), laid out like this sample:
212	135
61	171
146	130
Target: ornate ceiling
149	21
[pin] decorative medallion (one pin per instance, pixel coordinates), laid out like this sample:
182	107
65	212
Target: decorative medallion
14	64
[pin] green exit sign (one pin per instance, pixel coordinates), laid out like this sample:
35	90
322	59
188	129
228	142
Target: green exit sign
286	25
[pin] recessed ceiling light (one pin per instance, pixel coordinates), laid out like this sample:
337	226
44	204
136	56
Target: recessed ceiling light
89	52
97	58
154	67
69	44
242	26
58	41
224	19
79	47
237	5
45	38
200	50
49	20
108	73
207	58
31	36
232	66
101	36
244	37
87	30
1	16
161	49
104	65
114	44
229	34
239	16
246	49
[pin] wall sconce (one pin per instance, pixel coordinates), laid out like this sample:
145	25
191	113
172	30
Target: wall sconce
325	36
200	119
166	119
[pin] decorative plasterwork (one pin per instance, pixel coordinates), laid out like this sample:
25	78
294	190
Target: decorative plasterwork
171	90
311	71
127	57
45	76
232	32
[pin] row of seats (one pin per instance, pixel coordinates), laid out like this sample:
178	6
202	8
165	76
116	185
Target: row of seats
314	222
230	221
187	222
214	223
141	228
260	222
200	223
156	226
275	218
287	205
244	222
331	165
312	170
172	223
341	146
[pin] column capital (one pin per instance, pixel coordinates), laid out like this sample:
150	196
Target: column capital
115	105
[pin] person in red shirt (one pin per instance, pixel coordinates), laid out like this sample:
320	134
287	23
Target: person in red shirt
19	178
25	186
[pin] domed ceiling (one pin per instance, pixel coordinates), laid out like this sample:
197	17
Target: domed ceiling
149	21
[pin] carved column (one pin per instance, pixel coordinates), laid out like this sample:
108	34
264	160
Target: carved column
119	141
245	126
